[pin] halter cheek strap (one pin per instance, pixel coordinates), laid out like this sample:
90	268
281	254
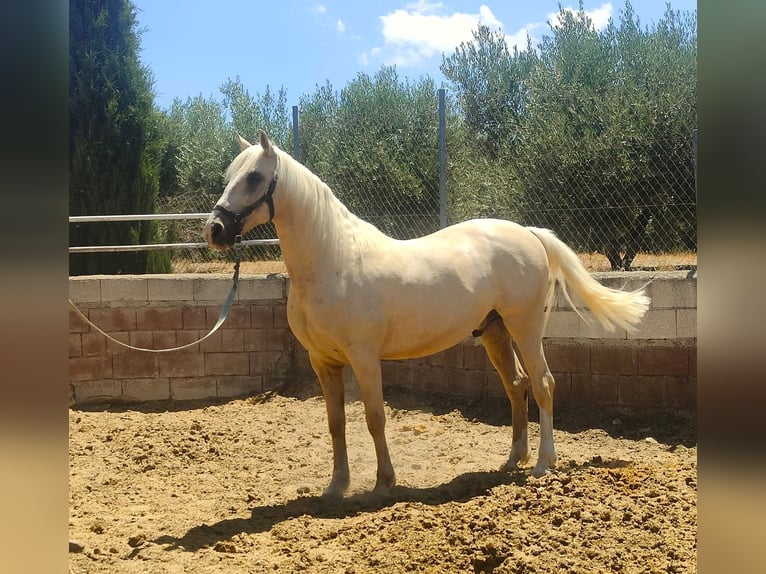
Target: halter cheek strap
238	219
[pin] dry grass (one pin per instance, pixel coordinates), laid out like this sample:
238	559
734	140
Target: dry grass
592	261
645	261
227	267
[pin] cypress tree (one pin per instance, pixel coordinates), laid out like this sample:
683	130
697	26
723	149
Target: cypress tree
113	159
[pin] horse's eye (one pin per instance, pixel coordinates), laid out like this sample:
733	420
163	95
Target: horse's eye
254	178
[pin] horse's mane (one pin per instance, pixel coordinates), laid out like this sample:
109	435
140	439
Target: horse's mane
328	218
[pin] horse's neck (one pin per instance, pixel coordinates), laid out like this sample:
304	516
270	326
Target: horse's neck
317	233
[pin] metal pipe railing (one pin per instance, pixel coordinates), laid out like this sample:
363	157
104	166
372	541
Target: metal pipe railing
153	246
137	217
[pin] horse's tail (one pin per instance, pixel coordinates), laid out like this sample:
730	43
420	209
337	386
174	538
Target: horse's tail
610	307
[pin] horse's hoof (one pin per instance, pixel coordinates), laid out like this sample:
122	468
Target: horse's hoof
331	494
334	491
515	461
383	492
384	487
541	468
539	471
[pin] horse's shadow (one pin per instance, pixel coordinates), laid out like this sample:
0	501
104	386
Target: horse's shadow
460	489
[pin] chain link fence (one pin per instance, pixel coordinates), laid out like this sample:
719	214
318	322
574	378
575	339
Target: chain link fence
621	201
190	231
403	203
621	206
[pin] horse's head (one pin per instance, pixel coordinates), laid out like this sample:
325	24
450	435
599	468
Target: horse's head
246	200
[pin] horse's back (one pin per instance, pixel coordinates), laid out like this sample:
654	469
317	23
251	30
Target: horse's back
494	245
499	230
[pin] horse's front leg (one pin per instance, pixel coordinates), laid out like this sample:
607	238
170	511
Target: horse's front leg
368	373
331	379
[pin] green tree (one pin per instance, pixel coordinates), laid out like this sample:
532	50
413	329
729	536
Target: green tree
199	144
490	82
376	145
588	133
199	140
113	137
204	145
606	158
249	114
562	161
317	125
478	184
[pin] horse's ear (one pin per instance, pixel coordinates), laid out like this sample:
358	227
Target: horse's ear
243	143
264	141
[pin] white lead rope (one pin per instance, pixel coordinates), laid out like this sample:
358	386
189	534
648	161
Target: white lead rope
221	317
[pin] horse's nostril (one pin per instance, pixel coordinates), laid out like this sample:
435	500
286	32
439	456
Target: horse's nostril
216	229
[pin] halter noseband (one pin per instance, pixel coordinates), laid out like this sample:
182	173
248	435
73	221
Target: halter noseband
238	219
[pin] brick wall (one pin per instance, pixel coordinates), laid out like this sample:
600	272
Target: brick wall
255	351
250	353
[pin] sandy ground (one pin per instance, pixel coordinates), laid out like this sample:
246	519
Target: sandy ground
235	487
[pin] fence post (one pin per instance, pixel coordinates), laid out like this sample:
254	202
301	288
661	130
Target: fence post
442	161
694	146
296	136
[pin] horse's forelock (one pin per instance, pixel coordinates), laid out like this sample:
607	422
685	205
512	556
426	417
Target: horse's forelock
245	160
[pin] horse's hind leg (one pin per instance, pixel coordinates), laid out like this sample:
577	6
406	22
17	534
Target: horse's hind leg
330	377
497	342
528	337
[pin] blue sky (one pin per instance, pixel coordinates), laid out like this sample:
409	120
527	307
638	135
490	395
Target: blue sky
195	46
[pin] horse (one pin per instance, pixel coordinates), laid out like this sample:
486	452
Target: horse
358	296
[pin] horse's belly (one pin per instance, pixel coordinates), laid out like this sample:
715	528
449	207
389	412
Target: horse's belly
422	335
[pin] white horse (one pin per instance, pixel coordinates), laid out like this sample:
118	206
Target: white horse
358	296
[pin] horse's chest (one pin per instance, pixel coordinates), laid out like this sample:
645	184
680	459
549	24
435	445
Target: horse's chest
311	321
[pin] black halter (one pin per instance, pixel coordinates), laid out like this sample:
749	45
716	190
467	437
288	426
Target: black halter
238	219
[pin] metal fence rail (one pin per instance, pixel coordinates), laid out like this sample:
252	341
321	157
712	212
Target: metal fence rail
152	246
139	217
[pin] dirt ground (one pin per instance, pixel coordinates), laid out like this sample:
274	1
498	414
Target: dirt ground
235	487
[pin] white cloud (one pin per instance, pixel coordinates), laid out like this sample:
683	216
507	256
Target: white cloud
325	20
424	29
599	16
420	31
424	6
519	39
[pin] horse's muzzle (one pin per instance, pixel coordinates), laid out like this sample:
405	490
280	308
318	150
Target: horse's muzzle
217	233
